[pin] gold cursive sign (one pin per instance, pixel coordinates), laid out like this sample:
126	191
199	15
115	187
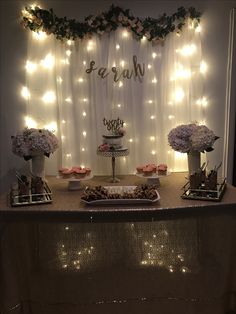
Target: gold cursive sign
137	71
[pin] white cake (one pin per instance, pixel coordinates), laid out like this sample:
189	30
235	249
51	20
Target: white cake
115	141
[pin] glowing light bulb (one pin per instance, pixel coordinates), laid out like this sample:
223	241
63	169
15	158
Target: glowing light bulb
85	99
63	137
48	62
84	133
143	39
120	84
30	123
119	105
152	117
125	34
188	50
63	121
90	45
84	114
153	152
39	35
122	63
30	66
179	94
203	67
117	46
25	93
150	101
168	152
68	99
59	79
80	80
170	117
154	55
84	62
49	97
198	29
68	156
149	66
154	80
82	149
68	52
65	61
152	138
131	140
181	73
69	42
51	127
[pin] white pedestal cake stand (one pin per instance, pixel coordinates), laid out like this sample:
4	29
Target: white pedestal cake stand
74	184
153	179
114	154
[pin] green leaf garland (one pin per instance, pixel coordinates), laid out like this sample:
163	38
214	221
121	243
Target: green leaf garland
155	30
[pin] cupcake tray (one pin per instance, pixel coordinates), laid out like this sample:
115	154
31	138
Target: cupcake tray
30	199
202	194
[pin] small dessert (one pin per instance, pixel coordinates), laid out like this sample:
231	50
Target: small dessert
148	170
61	170
154	167
162	169
67	173
80	173
88	171
140	169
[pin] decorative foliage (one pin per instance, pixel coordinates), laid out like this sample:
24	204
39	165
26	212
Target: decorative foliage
191	137
155	30
32	142
114	126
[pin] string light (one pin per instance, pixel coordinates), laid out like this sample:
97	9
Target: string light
51	127
153	152
30	66
149	66
49	97
25	93
65	61
85	99
68	52
203	67
179	95
117	46
30	123
68	155
82	149
68	99
39	35
152	117
120	84
59	79
131	140
84	62
125	34
80	80
154	80
63	121
84	133
154	55
122	63
170	117
119	105
90	45
143	39
150	101
48	62
84	114
198	29
152	138
187	50
69	42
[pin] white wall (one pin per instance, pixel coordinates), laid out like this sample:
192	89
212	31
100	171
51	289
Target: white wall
215	24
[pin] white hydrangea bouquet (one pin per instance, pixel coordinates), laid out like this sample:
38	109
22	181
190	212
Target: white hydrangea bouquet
32	142
192	137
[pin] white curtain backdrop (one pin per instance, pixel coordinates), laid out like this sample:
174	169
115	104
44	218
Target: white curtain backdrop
61	96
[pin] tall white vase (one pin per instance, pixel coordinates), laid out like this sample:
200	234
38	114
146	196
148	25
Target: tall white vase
194	161
38	166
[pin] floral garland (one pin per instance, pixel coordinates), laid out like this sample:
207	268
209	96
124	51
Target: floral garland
155	30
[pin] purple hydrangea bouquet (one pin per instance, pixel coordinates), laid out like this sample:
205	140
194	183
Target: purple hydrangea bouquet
34	144
192	137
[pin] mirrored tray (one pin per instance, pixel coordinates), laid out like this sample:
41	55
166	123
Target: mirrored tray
30	199
153	176
121	190
202	194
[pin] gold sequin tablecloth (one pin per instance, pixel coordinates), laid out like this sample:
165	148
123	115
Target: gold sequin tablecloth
175	256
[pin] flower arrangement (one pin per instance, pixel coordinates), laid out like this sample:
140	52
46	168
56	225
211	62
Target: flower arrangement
192	137
155	30
33	142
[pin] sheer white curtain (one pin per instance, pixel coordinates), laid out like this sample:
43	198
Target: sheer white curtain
63	97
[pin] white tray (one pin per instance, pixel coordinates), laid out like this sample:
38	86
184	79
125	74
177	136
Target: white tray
72	179
121	190
153	176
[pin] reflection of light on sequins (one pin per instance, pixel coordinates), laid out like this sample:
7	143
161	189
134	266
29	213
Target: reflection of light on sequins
180	257
184	269
154	236
171	269
144	262
65	266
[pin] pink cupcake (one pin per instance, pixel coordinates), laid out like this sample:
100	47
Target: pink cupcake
148	170
88	171
162	169
140	169
80	173
67	173
60	171
154	167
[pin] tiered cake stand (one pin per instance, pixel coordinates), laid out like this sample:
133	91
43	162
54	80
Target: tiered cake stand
113	155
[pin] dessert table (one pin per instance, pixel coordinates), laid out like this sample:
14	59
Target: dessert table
67	257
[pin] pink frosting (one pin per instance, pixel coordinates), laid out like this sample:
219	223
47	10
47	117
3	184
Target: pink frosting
162	167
